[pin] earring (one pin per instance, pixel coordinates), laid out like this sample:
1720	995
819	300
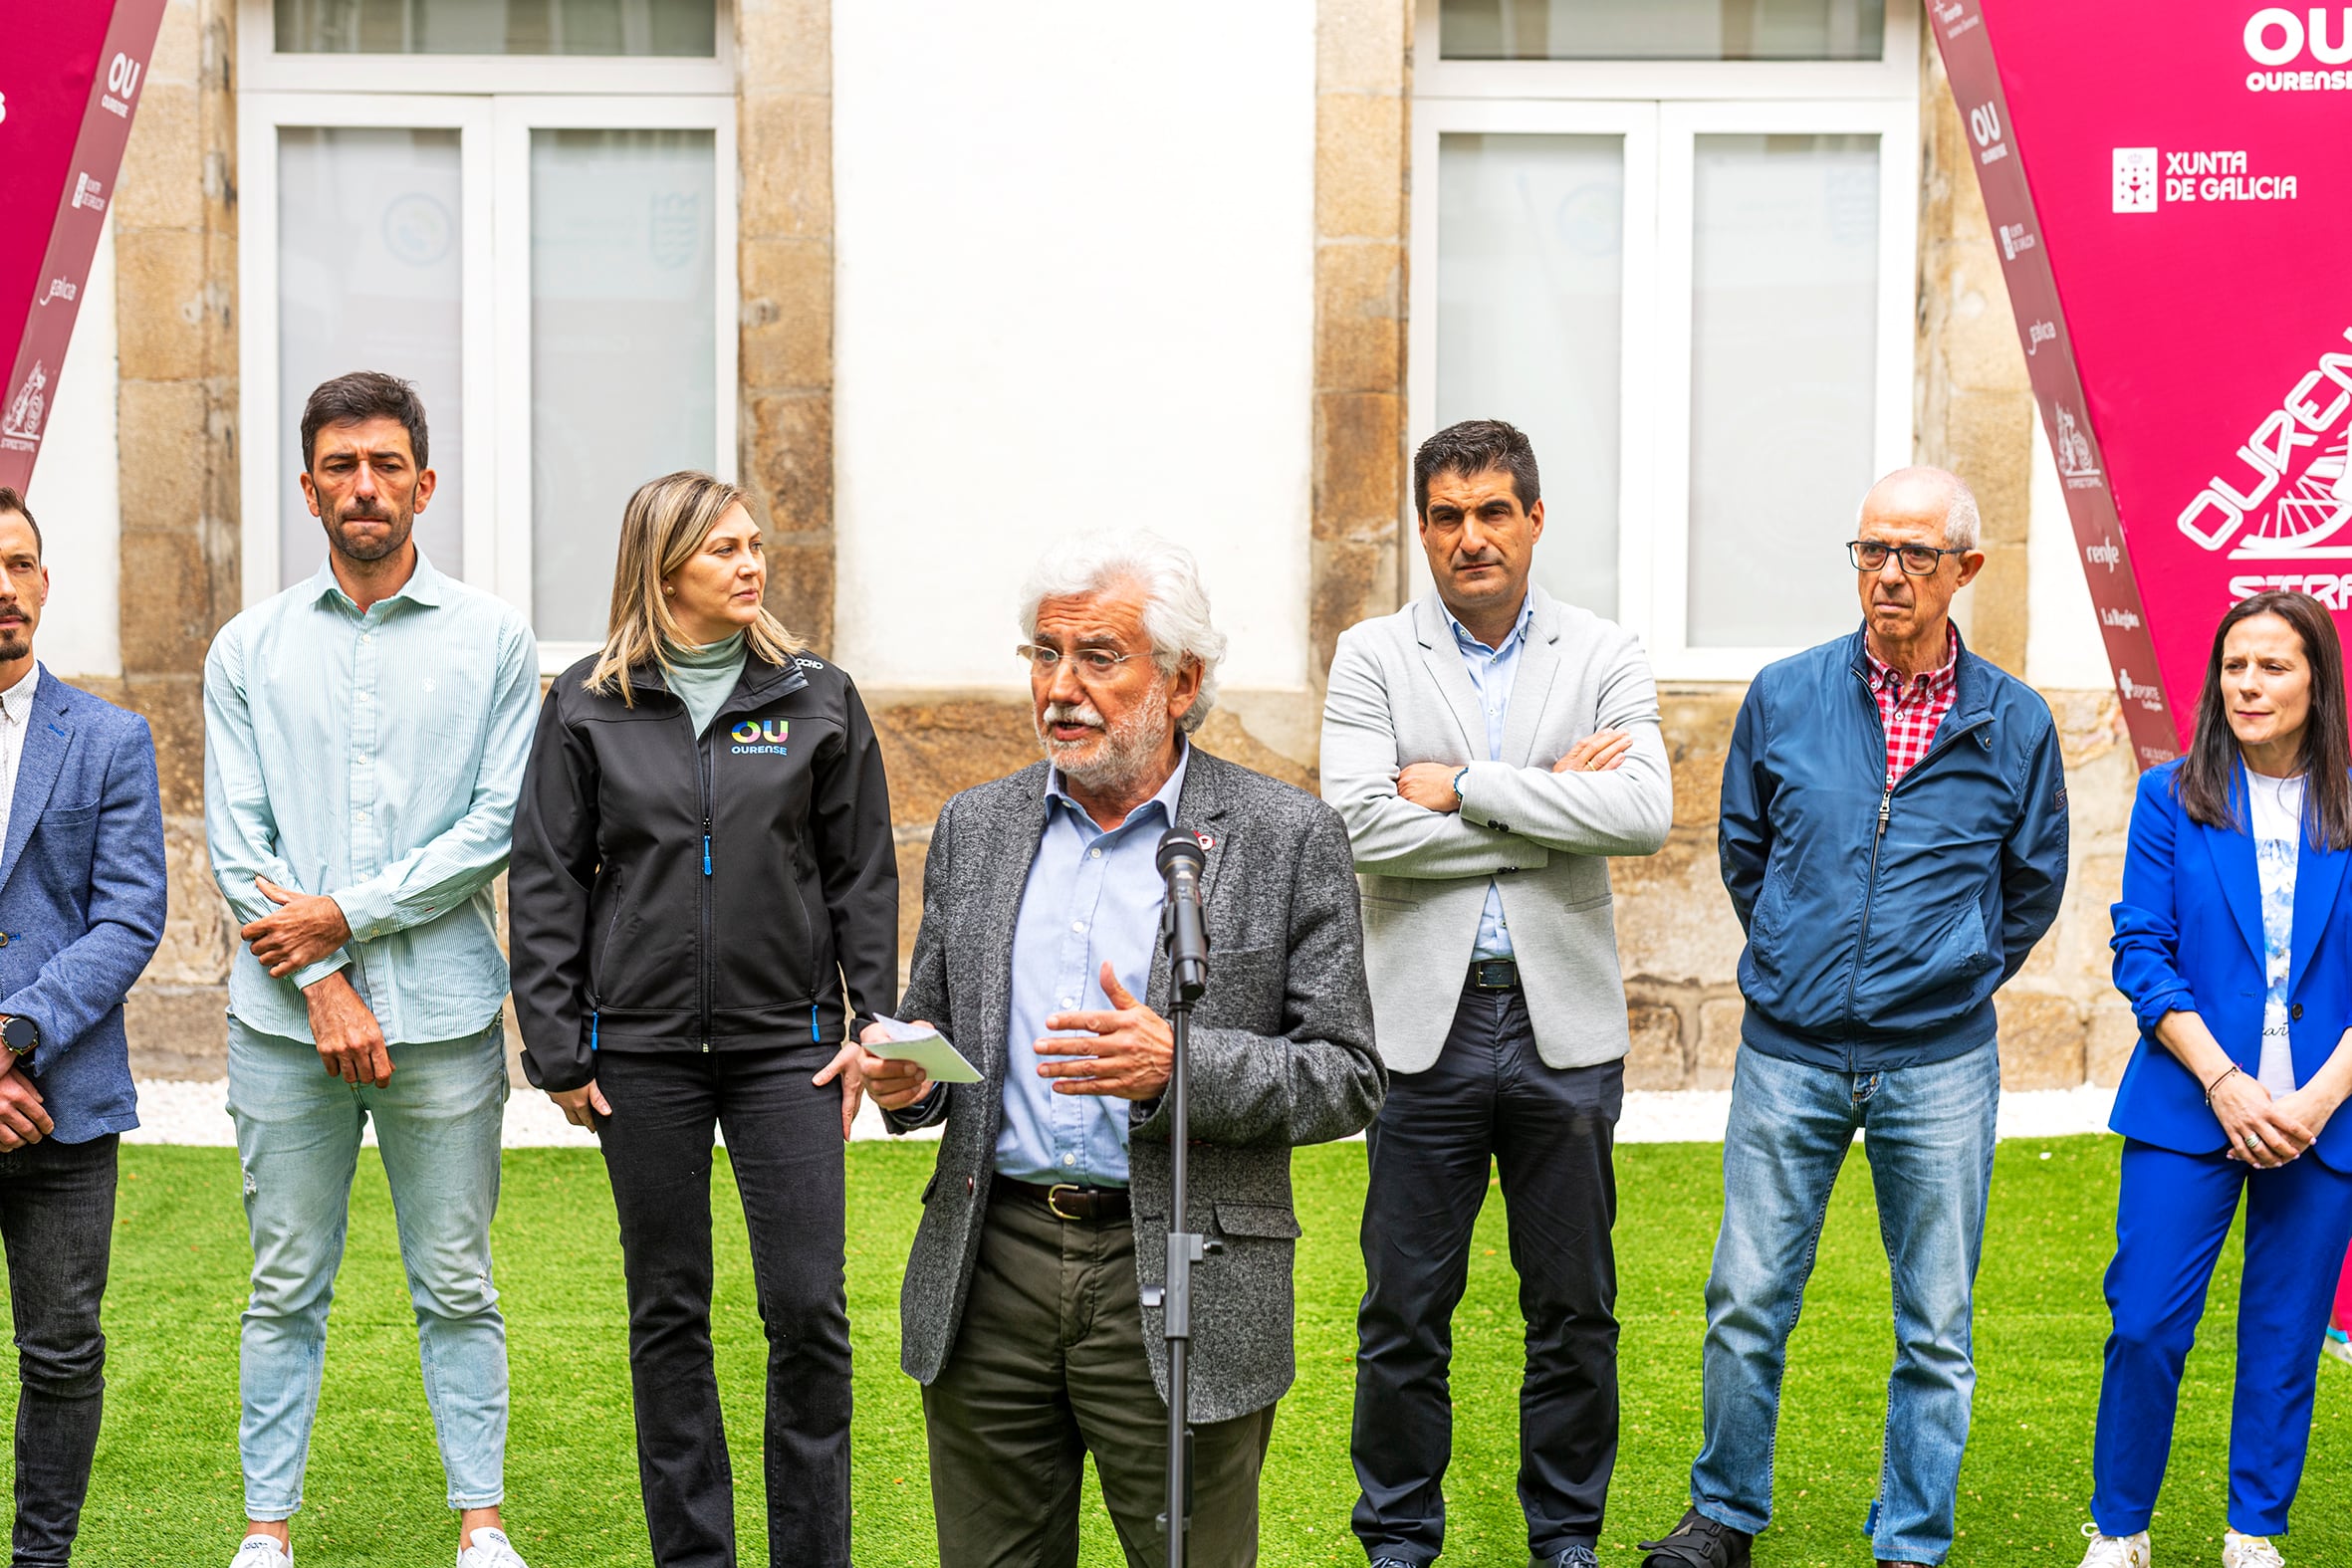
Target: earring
668	589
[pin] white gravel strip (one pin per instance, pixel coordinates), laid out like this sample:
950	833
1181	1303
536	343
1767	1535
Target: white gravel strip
196	1114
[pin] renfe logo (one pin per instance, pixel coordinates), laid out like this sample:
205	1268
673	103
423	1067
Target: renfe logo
2275	36
2292	479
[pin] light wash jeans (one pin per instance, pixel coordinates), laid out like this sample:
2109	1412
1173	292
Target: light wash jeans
437	1124
1928	1132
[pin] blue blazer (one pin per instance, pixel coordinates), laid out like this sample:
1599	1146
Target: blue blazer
81	896
2188	938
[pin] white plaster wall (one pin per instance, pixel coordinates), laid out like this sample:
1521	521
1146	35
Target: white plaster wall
1076	272
76	491
2062	643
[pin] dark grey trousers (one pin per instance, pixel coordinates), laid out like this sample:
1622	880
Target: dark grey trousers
57	1213
1047	1368
1551	1132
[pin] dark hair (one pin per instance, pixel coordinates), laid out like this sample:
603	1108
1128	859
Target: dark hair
1473	447
2205	782
362	395
14	501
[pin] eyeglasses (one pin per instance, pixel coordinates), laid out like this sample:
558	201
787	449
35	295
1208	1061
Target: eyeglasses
1918	559
1089	664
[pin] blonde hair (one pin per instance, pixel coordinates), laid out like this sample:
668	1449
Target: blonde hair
661	529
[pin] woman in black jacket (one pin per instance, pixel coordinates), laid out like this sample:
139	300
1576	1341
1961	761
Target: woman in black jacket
704	903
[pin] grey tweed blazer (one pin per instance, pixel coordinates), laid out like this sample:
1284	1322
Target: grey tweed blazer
1281	1056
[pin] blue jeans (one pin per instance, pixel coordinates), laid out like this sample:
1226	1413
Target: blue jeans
437	1122
1928	1132
2171	1222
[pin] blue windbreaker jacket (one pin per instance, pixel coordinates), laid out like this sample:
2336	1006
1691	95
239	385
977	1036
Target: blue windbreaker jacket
1880	921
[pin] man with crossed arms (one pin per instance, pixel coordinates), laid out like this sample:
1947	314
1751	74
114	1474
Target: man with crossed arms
1488	745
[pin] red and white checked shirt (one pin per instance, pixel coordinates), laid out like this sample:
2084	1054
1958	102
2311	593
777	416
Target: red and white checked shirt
1910	714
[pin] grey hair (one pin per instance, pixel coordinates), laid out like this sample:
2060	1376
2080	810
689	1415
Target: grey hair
1964	526
1175	606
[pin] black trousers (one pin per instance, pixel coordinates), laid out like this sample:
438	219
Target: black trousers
1551	1132
57	1217
783	1138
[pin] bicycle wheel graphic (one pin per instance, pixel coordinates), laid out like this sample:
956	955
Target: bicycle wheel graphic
2308	511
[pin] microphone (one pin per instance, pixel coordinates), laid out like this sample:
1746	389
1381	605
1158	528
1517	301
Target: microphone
1181	932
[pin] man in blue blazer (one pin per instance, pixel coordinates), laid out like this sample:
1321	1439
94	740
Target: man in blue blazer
81	912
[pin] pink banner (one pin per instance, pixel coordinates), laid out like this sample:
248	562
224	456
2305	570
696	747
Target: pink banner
69	78
2171	188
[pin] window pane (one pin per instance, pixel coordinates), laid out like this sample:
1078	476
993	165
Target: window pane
370	278
1662	29
498	27
624	347
1784	384
1529	309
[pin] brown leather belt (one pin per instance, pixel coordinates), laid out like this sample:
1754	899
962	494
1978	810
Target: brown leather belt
1494	975
1065	1200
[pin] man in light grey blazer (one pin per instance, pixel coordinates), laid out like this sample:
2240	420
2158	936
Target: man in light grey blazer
1031	1309
1488	748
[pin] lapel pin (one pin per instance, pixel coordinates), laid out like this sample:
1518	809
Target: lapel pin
1206	841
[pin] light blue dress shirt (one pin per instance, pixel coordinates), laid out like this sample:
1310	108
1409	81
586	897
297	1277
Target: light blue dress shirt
1492	671
375	759
1092	896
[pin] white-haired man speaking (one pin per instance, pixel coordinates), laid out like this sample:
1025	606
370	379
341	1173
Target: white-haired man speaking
1044	1230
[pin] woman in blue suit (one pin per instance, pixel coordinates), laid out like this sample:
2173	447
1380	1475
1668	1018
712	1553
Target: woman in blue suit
2234	942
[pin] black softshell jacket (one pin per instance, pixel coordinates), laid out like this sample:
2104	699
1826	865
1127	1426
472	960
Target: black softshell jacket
675	892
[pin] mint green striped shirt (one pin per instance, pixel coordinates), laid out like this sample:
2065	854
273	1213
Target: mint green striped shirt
375	759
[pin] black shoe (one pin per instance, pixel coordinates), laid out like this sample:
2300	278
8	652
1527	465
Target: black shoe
1574	1555
1396	1562
1695	1541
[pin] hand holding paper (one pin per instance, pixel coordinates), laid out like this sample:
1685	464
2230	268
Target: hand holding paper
922	1045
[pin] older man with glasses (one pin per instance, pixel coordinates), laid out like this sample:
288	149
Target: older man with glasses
1893	840
1031	1311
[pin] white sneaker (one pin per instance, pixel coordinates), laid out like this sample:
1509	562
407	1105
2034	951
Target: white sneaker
261	1551
2337	1346
491	1549
2115	1551
2250	1551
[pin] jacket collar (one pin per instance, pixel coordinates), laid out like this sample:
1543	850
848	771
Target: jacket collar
759	683
1531	686
48	735
1972	678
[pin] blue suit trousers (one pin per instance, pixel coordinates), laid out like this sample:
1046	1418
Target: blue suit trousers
2170	1223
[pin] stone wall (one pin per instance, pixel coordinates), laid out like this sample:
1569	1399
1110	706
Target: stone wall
175	247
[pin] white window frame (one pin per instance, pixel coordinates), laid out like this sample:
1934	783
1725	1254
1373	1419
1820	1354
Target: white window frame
261	69
494	103
1660	107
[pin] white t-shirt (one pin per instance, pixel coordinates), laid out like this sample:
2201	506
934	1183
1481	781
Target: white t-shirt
2279	843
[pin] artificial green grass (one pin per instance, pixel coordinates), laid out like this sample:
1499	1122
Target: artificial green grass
168	1489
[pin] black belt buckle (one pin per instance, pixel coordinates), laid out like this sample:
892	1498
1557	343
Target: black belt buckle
1494	975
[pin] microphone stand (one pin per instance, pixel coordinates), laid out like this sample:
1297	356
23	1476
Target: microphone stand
1188	977
1185	1248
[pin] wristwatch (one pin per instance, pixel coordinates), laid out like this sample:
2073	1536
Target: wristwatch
1460	774
20	1035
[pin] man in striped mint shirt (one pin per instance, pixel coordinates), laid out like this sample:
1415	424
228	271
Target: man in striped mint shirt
365	735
